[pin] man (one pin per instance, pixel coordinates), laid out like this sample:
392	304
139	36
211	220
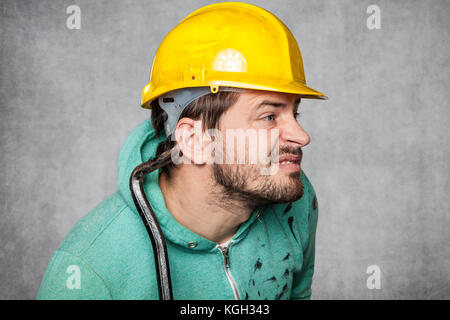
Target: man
237	212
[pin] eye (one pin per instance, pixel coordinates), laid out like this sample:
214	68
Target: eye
270	117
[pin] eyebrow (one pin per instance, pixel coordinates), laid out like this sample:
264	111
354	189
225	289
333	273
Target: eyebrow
276	104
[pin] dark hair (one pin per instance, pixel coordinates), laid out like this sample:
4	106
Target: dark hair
208	108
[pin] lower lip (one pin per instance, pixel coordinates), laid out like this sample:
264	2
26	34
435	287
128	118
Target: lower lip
290	166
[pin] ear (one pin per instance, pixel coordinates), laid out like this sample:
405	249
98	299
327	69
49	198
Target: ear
188	134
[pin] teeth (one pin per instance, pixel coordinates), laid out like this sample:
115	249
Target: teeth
283	162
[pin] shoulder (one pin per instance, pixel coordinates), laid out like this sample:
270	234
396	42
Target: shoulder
108	247
110	229
93	224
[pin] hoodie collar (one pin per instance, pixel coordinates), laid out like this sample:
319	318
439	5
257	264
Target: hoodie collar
140	146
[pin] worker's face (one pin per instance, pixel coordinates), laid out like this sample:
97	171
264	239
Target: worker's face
267	122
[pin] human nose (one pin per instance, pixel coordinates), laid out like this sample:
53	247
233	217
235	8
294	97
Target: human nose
292	132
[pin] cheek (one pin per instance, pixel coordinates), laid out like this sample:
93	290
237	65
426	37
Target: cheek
227	150
268	146
243	145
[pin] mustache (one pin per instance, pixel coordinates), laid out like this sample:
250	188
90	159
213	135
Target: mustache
285	150
291	150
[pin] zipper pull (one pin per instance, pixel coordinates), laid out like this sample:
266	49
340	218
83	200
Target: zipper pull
225	256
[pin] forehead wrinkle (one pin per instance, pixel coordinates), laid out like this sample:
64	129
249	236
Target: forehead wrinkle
276	104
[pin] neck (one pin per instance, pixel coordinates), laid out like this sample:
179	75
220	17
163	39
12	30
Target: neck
191	197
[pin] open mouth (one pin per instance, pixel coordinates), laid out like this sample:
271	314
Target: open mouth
290	162
287	159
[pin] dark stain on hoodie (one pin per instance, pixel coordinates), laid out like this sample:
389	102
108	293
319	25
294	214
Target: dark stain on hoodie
290	220
283	291
314	204
272	279
288	208
258	265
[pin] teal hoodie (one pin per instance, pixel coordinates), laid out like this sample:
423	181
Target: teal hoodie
108	254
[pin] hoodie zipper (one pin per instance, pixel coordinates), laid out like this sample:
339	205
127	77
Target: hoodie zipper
226	262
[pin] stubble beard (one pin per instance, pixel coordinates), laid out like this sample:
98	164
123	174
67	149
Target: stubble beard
245	184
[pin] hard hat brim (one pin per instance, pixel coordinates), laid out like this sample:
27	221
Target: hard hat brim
279	86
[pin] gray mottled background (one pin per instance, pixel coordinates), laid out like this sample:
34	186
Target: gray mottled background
379	157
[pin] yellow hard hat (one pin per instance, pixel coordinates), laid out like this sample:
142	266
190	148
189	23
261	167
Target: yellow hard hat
230	44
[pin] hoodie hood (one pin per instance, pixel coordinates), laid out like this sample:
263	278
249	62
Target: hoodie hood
140	146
